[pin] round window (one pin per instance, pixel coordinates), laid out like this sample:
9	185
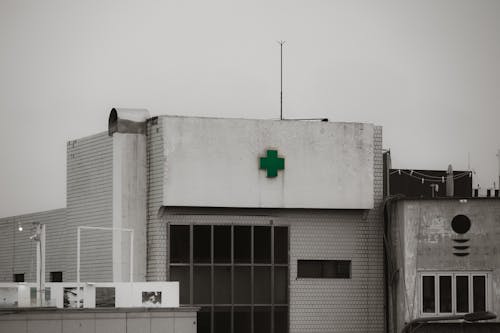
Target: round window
460	224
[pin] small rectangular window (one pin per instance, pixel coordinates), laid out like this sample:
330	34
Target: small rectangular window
242	244
479	288
328	269
181	274
56	277
281	319
222	319
462	290
19	277
202	285
242	319
222	284
222	244
202	235
262	285
179	244
242	285
280	245
445	294
203	321
262	319
262	245
453	293
428	294
281	285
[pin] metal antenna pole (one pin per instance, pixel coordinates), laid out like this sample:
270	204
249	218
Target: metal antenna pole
281	42
498	155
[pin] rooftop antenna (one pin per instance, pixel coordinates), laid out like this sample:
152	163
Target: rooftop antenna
498	155
281	42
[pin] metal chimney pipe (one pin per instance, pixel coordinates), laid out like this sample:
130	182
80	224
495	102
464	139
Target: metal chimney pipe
449	182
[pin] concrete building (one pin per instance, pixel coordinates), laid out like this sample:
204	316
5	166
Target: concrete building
270	226
443	261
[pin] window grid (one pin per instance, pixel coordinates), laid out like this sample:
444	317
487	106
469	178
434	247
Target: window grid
453	275
212	307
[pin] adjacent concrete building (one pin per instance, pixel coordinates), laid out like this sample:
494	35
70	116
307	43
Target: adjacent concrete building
443	260
270	226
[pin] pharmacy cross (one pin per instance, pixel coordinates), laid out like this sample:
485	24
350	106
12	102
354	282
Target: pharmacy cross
272	163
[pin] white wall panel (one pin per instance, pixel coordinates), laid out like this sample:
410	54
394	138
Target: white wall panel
215	163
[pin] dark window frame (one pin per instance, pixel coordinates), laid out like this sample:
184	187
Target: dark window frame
213	307
429	294
56	276
18	277
323	269
471	292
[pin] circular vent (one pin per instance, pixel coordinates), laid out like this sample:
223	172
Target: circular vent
460	224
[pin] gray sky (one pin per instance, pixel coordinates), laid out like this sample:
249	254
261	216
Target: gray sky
428	71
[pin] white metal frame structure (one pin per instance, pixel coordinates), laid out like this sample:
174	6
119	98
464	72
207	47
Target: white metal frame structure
107	229
39	237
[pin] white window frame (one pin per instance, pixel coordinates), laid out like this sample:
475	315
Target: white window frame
438	300
453	274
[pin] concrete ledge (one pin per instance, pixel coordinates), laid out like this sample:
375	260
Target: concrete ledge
105	320
98	310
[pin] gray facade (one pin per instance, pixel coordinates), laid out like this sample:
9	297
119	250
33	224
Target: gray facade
18	252
316	305
156	230
425	246
89	203
355	304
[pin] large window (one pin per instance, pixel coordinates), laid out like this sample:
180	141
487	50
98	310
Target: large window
453	292
238	275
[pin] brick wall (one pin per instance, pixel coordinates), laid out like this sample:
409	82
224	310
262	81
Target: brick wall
329	305
156	231
90	203
18	252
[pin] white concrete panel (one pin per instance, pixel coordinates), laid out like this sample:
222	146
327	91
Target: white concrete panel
162	325
215	163
110	325
14	326
78	326
108	321
129	205
126	294
138	325
42	326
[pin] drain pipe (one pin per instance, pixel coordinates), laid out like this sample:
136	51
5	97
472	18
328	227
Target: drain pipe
391	270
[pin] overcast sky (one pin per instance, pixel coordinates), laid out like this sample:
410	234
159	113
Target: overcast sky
428	71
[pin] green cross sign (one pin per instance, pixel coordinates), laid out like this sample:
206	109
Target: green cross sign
272	163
